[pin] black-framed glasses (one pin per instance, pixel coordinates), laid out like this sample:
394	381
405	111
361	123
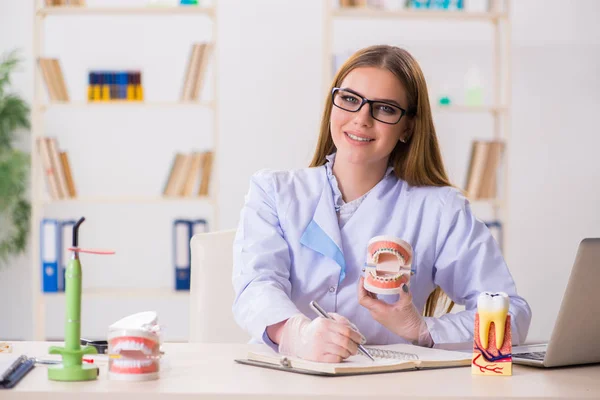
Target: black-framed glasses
348	100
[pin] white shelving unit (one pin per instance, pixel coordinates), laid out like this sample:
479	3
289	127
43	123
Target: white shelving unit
499	18
38	186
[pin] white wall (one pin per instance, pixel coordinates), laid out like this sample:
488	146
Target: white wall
271	50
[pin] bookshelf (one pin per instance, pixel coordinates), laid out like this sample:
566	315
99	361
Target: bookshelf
497	16
162	297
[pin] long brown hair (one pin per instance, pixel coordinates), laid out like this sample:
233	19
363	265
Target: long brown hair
418	161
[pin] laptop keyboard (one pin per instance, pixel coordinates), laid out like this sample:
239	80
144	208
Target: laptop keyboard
536	355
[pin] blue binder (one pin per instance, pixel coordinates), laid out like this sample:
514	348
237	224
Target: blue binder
49	253
183	231
198	226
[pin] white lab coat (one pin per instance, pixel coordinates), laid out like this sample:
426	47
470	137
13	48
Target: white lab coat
290	250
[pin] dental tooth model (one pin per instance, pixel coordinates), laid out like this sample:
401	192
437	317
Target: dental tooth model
134	348
492	340
388	265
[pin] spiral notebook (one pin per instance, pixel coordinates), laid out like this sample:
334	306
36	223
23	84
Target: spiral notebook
390	358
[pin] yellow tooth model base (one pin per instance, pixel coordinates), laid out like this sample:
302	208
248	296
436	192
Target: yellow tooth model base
492	360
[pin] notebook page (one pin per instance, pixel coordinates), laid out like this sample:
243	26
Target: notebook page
353	364
425	353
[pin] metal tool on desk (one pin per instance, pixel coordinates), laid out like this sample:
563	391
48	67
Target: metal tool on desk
321	312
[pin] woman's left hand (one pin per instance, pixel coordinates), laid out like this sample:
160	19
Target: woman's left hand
401	317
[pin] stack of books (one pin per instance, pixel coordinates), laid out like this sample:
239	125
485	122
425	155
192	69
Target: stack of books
482	178
54	79
115	86
54	3
189	175
57	169
352	3
195	71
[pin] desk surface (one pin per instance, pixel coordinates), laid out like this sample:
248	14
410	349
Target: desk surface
202	371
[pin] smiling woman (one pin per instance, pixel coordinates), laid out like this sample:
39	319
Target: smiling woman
377	172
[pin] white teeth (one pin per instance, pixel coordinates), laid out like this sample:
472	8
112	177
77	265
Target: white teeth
385	278
492	307
131	345
360	139
395	252
125	363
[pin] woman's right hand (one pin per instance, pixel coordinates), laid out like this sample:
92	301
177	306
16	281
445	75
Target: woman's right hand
321	339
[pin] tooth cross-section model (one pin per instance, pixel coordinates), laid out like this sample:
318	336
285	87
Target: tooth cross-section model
388	265
492	340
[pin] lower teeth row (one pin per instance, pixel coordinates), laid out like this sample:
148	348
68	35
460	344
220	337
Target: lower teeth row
385	279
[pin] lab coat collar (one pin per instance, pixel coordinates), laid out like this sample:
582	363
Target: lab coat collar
323	233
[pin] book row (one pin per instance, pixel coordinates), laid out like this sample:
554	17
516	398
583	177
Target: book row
189	174
56	169
115	85
125	85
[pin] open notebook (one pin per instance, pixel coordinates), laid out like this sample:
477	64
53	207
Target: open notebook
390	358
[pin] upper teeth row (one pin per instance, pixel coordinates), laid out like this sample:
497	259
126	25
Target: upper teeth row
124	363
389	250
131	345
359	138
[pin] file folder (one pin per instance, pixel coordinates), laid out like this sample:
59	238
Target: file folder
49	254
198	226
182	230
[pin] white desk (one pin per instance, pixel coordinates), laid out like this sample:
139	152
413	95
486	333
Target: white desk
203	371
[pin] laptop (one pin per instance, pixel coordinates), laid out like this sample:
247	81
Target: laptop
576	333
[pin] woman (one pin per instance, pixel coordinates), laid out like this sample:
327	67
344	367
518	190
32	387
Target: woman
377	170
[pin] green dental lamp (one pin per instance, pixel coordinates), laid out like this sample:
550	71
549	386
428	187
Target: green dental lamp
72	368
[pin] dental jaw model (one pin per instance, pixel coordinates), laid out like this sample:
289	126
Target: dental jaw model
388	265
134	348
72	368
492	341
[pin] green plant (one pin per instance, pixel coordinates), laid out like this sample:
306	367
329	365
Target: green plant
15	208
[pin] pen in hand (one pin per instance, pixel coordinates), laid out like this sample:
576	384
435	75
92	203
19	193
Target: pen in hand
322	313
